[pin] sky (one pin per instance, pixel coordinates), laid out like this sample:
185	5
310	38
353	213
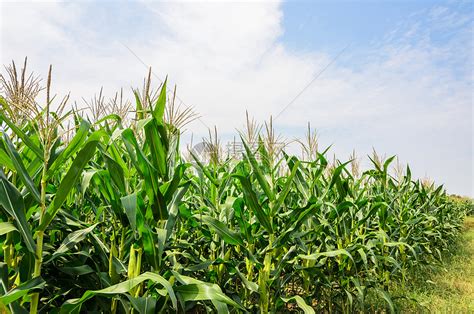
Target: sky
394	76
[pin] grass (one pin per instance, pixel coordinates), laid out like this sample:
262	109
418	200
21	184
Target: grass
449	288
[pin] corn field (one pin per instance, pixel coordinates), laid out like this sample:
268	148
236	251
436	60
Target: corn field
105	214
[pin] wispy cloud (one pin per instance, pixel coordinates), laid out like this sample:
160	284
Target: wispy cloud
409	93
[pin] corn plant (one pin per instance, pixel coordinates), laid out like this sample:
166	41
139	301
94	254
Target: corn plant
112	218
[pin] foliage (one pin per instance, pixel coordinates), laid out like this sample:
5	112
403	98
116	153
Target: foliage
446	288
113	219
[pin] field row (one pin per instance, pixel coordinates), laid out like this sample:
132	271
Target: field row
113	218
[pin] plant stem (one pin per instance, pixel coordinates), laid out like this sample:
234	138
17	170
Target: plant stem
40	234
37	270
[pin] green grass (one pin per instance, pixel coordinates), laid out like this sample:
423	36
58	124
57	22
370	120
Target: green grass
449	288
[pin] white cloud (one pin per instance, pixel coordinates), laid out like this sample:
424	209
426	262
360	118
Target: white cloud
408	95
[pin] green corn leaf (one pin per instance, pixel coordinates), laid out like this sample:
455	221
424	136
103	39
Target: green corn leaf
252	200
159	110
258	173
200	292
86	180
129	203
12	201
74	305
73	238
174	183
70	241
161	241
386	296
74	145
298	216
29	286
149	245
375	208
387	163
363	256
112	117
21	170
136	154
143	305
5	159
6	227
286	189
148	238
196	290
149	173
3	278
301	303
301	183
398	244
69	181
205	170
335	253
174	209
157	147
139	106
336	174
221	229
250	285
158	204
25	138
117	155
116	173
77	270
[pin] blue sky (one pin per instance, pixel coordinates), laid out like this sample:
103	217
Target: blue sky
327	25
331	25
403	86
340	23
